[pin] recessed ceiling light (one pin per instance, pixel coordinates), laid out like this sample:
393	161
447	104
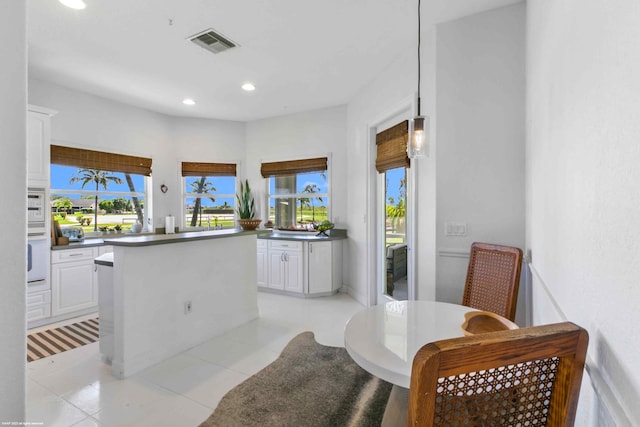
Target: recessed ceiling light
188	101
248	87
74	4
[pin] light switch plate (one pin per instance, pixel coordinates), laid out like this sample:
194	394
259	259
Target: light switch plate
455	229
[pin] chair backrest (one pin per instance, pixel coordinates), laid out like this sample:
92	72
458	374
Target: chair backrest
493	279
529	376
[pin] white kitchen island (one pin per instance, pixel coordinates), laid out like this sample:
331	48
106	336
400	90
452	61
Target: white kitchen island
173	292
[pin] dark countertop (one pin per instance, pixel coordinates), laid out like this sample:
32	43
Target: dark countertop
335	234
163	239
105	259
94	240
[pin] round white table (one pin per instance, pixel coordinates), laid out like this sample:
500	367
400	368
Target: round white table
384	339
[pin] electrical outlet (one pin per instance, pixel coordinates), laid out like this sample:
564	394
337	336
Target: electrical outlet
187	307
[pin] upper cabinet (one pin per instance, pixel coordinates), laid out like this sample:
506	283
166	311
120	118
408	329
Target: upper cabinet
38	143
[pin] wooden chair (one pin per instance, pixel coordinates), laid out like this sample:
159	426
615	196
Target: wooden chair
529	376
493	279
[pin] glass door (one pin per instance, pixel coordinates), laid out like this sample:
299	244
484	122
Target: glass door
392	202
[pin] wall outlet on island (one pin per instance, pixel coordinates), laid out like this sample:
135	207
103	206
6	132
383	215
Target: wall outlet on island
187	307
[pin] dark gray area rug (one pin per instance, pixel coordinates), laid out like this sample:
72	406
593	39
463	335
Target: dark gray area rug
308	385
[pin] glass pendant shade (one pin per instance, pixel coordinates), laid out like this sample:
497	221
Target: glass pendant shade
418	144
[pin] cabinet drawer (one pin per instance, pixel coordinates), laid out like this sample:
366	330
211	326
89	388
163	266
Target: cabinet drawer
67	255
285	244
261	243
40	311
43	297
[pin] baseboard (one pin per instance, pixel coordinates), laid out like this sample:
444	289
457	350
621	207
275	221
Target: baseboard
453	253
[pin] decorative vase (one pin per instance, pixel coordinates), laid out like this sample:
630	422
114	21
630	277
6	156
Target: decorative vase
249	224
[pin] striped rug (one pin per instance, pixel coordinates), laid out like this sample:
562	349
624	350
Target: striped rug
53	341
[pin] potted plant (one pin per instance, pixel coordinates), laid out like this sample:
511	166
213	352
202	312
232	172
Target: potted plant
118	228
246	208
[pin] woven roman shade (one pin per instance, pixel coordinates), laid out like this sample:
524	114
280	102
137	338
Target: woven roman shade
293	167
208	169
89	159
392	147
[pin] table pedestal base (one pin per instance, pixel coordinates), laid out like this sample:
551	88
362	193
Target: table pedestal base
395	413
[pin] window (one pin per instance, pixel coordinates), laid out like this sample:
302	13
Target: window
209	195
298	192
98	191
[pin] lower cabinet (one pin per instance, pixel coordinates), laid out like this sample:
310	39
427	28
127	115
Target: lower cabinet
300	267
263	263
285	266
324	267
74	281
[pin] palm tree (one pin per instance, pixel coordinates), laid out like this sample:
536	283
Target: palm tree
100	178
304	201
136	202
311	189
201	187
62	204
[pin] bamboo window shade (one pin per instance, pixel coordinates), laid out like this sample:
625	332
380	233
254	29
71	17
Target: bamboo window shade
391	147
293	167
208	169
89	159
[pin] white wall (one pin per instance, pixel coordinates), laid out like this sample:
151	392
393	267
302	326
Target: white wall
92	122
311	134
13	163
481	139
380	100
583	189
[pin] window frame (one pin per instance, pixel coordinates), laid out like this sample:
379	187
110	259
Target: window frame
144	195
327	195
188	195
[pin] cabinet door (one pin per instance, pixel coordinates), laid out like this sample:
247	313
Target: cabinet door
263	264
73	287
320	267
293	265
276	269
38	135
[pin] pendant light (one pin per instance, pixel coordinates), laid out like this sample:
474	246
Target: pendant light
418	145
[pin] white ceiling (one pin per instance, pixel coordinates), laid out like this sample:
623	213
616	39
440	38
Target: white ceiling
301	55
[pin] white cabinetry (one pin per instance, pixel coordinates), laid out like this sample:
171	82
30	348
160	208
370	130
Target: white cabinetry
38	305
324	267
74	284
263	262
38	146
285	265
309	268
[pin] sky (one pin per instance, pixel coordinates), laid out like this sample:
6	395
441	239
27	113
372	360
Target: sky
61	175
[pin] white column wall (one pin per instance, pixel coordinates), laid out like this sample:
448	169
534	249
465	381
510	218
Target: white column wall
583	189
13	163
481	140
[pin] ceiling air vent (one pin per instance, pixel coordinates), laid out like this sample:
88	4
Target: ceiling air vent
212	41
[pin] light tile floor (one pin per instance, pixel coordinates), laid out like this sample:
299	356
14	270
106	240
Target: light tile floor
76	389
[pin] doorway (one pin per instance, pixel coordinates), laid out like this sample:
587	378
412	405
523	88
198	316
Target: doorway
393	207
394	202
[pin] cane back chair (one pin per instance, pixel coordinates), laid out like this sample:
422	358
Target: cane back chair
493	279
529	376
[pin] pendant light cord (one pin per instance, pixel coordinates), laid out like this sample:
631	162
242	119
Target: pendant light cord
419	33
